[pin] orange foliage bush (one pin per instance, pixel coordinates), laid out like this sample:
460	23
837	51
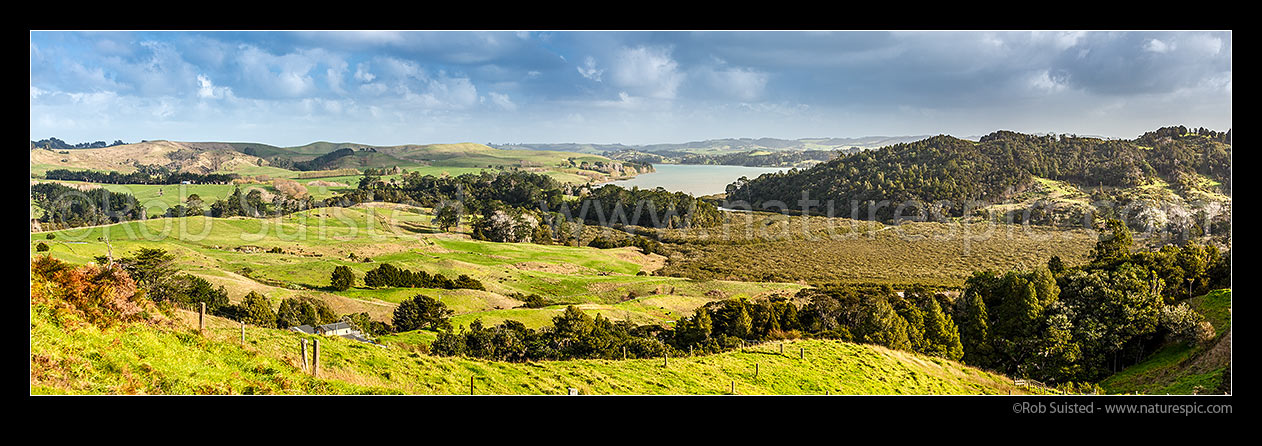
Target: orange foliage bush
100	294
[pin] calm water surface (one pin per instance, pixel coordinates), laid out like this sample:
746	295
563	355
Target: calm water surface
695	179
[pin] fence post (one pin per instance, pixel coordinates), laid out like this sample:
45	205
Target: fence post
781	348
665	356
755	370
304	354
690	351
201	318
802	353
315	359
242	333
733	387
624	353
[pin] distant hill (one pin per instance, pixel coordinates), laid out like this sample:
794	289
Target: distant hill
247	158
1188	168
723	146
202	158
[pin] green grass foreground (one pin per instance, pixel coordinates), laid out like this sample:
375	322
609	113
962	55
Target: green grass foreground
148	359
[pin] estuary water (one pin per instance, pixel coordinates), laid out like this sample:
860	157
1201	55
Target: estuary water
695	179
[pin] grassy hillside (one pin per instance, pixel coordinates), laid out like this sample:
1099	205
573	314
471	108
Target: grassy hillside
191	157
153	359
230	252
1179	369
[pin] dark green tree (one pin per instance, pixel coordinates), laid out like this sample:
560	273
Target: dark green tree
342	279
421	312
256	309
1114	243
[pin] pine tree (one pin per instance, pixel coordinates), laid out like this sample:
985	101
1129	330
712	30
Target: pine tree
342	278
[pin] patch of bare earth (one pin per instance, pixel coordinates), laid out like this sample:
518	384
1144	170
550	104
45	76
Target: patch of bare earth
647	262
322	183
1216	356
558	268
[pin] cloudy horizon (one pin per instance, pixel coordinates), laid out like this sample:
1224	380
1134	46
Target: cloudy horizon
390	88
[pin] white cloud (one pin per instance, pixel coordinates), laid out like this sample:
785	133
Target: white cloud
647	71
443	93
375	88
286	75
502	101
588	70
362	74
207	89
1044	81
1157	46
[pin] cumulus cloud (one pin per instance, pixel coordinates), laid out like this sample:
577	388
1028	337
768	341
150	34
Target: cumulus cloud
1157	46
207	89
192	79
588	69
647	71
362	74
285	75
502	101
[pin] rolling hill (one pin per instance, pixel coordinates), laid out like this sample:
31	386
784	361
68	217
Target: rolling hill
70	357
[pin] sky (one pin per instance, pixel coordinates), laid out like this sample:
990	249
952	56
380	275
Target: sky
632	87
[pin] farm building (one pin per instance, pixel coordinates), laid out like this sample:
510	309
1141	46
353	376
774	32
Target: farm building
342	329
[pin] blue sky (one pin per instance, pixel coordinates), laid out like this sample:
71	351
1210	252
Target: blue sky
386	88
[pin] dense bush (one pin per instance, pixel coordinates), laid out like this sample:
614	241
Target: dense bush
104	295
297	311
421	312
388	275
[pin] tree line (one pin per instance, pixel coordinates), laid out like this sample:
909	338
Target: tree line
151	175
388	275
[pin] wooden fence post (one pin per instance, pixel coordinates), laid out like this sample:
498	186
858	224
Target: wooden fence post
782	348
733	387
755	370
471	384
304	354
624	353
665	356
242	333
802	353
201	319
315	359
